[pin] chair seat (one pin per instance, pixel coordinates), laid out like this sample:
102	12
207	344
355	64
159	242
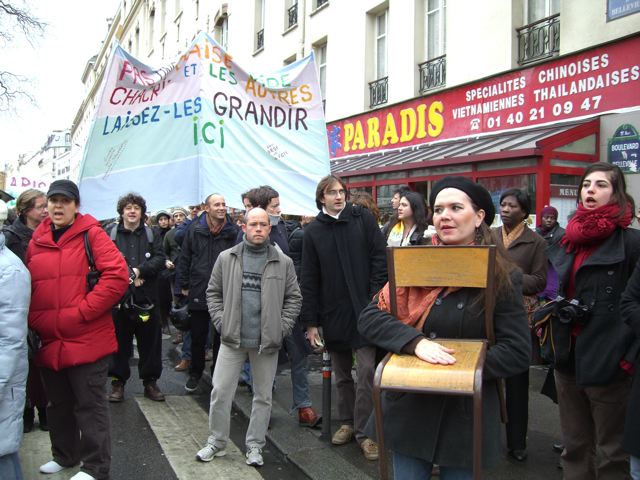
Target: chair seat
409	373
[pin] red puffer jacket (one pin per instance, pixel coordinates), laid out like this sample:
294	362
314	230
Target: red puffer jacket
75	326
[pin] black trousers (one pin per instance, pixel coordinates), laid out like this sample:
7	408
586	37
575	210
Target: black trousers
517	400
200	321
78	416
149	340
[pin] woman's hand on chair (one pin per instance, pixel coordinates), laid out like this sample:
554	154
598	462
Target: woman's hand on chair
435	353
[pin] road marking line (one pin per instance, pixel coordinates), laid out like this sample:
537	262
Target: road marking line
182	427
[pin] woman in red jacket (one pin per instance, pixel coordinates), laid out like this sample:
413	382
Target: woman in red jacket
76	330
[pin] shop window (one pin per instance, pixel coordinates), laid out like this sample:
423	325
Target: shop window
497	185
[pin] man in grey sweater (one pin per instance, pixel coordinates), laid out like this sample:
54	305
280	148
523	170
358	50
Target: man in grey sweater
253	299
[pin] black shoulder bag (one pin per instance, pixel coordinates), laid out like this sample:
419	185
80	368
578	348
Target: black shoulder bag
94	275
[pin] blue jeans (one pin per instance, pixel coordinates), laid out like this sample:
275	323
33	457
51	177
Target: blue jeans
10	467
635	468
299	371
413	468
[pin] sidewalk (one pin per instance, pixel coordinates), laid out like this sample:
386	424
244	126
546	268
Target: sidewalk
302	446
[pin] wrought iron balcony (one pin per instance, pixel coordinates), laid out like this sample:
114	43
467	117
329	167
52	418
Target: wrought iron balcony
378	92
539	40
433	73
293	15
260	39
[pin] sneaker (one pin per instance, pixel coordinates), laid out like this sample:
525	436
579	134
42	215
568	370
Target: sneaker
192	384
254	457
369	449
208	452
183	366
152	392
343	435
51	467
117	391
82	476
307	417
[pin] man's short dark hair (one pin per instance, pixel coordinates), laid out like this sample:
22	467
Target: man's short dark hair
133	198
401	190
250	195
263	196
324	184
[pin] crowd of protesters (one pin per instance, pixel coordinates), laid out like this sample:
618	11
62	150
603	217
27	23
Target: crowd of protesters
252	284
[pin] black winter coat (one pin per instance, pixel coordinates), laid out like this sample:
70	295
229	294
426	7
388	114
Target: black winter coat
439	428
630	311
17	237
200	250
141	254
553	236
600	281
343	266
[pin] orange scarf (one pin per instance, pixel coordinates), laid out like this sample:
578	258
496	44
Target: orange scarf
413	304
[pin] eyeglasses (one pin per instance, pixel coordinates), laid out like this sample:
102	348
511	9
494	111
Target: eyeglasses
335	193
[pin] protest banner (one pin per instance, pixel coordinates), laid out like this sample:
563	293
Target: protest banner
204	125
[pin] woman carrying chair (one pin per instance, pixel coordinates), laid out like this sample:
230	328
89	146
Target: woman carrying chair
423	430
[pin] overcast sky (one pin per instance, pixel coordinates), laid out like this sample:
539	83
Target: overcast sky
54	64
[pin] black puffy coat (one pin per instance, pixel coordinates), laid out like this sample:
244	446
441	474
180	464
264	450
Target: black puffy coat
200	250
17	237
343	266
630	311
599	283
439	428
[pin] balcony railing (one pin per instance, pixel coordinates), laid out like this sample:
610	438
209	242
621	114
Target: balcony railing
433	73
378	92
293	15
260	39
539	40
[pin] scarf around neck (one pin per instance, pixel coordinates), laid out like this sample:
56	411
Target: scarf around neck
588	228
509	238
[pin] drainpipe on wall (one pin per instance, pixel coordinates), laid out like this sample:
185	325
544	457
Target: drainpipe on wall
302	20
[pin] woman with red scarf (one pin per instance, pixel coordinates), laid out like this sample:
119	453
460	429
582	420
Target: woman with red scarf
594	261
423	430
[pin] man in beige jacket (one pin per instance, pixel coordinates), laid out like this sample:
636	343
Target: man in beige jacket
253	299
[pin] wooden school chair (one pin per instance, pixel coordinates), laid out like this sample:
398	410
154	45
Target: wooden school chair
437	266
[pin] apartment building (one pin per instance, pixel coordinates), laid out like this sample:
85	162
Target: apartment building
513	93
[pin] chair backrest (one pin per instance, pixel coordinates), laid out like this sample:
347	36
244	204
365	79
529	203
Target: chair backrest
444	266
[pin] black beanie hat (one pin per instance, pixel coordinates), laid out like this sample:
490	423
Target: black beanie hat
477	193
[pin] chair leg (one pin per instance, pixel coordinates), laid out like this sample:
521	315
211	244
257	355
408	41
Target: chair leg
382	454
477	434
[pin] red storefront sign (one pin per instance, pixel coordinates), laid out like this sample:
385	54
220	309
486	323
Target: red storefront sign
577	86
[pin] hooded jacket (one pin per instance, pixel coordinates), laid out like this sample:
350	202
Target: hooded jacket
280	298
75	326
14	305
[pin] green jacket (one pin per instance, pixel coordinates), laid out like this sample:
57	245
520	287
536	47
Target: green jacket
280	298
